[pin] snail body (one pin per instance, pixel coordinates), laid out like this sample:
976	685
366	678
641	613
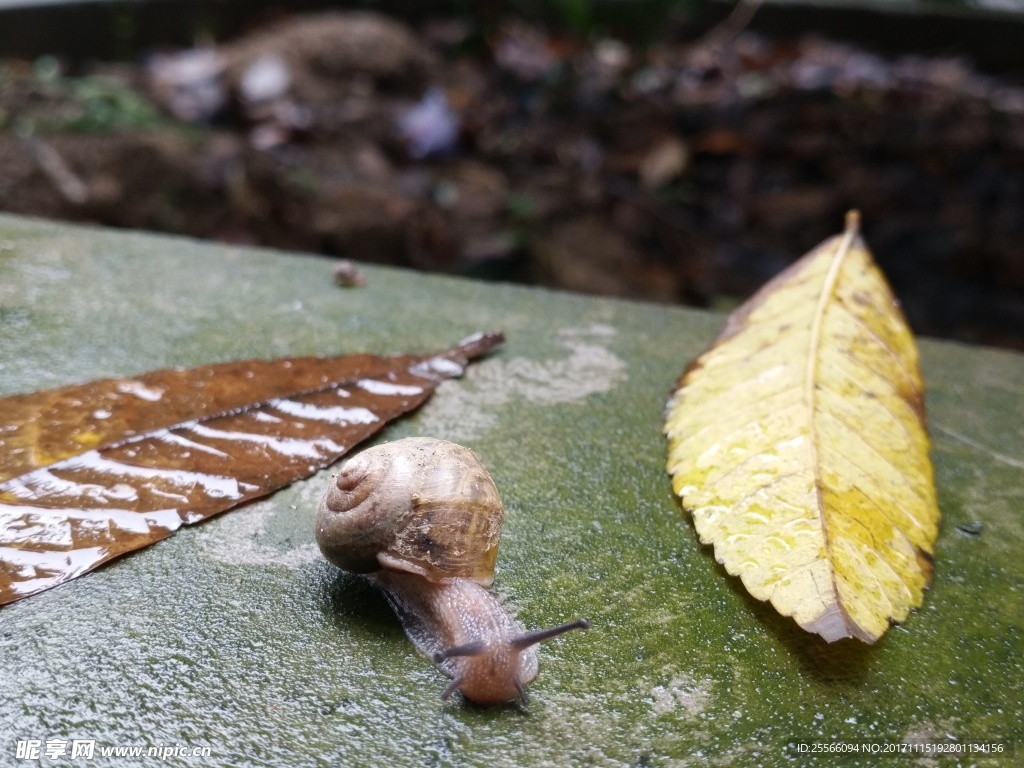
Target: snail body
460	614
422	519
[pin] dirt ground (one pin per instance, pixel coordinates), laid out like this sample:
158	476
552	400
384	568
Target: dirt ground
688	172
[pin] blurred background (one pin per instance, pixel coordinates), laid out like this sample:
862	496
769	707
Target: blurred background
679	152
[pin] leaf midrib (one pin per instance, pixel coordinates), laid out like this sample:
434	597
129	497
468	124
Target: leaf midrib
810	377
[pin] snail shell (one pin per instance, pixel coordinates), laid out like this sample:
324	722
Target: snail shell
422	518
419	505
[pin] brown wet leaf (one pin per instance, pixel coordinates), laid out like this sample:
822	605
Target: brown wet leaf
91	472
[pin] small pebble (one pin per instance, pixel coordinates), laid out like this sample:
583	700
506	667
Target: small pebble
347	276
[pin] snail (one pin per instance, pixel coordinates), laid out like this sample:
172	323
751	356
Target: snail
421	518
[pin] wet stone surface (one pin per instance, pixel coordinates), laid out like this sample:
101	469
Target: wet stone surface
236	635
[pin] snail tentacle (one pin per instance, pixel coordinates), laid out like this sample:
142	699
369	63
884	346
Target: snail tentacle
469	649
527	639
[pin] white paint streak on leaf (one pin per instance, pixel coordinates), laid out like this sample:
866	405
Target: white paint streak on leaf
140	390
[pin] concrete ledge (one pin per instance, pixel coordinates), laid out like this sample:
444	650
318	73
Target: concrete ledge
236	635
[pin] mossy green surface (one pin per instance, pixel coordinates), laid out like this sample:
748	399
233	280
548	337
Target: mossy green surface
236	635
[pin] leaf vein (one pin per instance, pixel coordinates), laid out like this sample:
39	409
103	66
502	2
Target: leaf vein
896	356
879	401
899	473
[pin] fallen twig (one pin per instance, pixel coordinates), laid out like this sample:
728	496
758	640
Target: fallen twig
50	162
731	26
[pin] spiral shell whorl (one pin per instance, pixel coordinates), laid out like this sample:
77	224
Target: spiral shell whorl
420	505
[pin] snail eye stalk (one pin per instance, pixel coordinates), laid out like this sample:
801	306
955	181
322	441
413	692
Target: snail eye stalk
453	686
527	639
469	649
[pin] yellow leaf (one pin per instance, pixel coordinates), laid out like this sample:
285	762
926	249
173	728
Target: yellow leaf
797	441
